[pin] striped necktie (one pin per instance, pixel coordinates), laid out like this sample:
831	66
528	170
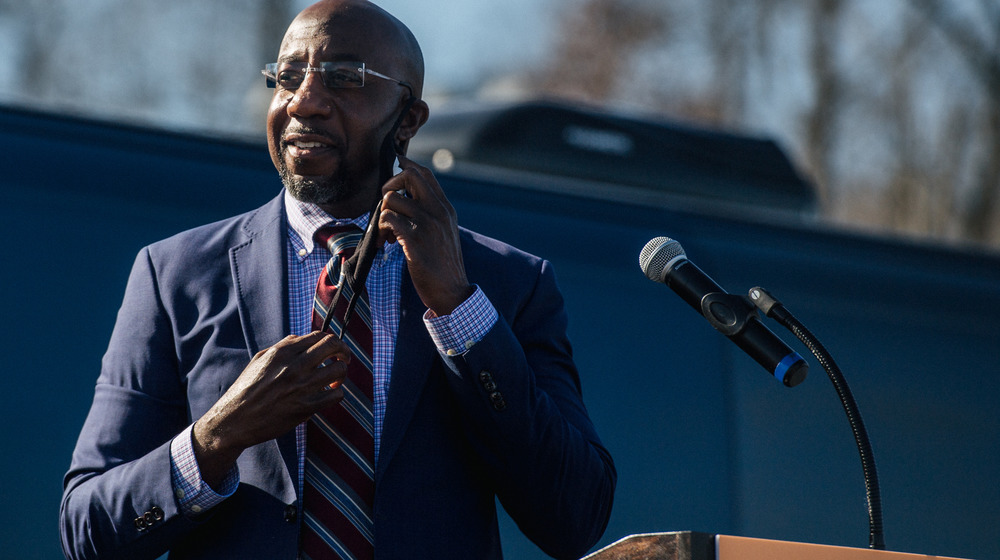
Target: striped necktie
340	443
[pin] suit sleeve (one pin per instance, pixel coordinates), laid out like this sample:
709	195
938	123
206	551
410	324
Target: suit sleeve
118	499
521	392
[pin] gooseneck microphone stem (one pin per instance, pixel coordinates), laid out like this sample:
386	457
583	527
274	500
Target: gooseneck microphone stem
774	309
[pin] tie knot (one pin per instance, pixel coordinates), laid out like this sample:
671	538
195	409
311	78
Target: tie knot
338	239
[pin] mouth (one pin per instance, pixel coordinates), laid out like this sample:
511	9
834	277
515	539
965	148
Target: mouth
306	144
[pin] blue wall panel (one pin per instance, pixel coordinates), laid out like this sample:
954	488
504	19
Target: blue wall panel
703	438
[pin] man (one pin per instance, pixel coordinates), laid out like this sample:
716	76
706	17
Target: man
195	442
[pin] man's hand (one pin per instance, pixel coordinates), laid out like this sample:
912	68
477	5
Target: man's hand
426	227
280	388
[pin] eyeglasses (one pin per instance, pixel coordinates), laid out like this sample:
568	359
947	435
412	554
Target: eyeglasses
290	75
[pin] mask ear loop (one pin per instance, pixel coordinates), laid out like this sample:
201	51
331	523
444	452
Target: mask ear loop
387	152
355	269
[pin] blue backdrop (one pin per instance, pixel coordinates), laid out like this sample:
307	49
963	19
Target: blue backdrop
703	438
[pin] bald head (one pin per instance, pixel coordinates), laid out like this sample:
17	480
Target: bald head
391	47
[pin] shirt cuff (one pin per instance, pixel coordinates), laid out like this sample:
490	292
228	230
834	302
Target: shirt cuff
194	495
457	333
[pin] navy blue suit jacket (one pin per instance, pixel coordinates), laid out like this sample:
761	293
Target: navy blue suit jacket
199	305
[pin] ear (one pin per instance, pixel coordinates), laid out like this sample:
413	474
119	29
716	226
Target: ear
415	118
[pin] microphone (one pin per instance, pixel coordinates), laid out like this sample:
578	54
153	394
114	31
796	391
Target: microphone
663	260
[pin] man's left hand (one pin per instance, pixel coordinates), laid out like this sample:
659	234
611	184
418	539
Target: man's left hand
425	224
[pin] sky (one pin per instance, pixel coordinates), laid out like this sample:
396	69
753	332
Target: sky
134	61
459	48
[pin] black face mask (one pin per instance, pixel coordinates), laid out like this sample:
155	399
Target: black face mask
356	268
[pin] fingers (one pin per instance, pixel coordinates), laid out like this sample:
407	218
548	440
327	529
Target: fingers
424	205
426	226
312	361
310	347
417	182
327	346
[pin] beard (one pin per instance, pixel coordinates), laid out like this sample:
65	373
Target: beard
320	189
341	185
329	189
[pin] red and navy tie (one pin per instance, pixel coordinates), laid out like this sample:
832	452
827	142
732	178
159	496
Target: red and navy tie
340	441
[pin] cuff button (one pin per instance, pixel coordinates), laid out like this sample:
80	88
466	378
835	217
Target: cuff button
499	404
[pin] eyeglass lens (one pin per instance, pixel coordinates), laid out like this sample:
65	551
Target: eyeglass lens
290	75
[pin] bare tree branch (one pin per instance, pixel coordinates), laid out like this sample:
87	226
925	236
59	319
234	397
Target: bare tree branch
980	220
595	47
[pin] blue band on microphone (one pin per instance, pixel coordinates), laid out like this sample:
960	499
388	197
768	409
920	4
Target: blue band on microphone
785	364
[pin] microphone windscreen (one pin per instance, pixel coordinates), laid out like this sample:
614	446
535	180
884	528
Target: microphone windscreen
659	256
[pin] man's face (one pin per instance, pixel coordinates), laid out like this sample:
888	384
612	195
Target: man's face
325	142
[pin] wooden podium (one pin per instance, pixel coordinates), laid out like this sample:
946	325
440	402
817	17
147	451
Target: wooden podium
703	546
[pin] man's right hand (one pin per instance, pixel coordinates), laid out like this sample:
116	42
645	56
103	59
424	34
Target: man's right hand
280	388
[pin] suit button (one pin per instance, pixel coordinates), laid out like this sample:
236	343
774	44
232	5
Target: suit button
486	379
157	513
291	513
497	399
140	523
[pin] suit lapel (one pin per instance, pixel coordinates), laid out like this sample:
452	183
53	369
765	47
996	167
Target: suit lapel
261	281
412	362
258	268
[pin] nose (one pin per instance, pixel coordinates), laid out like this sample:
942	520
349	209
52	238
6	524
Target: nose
311	98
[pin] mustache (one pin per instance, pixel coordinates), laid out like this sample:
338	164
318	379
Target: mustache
306	130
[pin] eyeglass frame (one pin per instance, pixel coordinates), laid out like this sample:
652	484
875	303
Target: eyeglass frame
271	78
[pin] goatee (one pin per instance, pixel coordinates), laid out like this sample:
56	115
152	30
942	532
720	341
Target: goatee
315	190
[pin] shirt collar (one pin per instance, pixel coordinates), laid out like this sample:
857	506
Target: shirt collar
304	218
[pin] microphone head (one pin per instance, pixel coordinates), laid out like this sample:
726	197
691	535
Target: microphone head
659	256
